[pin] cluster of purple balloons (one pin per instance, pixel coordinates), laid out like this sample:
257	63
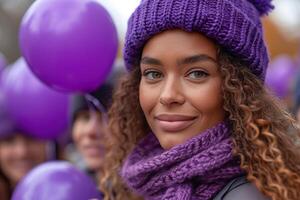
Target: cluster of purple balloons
68	46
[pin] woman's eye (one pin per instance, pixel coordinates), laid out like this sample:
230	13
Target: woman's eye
153	75
197	74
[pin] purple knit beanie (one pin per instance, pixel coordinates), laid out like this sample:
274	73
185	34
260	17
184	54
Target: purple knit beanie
233	24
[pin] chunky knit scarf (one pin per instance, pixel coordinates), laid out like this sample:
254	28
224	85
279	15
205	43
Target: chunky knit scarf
197	169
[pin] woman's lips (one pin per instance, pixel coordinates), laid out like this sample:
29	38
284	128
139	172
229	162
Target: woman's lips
174	123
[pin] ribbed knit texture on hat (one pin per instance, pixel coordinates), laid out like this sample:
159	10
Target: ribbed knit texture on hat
197	169
233	24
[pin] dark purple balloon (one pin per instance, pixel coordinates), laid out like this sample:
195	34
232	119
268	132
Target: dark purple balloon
69	44
280	75
35	108
57	180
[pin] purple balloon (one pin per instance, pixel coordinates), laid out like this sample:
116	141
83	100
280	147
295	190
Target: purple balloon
280	75
57	180
69	44
34	107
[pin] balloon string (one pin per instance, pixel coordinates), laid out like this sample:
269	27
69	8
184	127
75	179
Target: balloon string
95	105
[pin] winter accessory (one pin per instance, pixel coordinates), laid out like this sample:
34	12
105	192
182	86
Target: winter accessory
80	103
234	24
197	169
103	95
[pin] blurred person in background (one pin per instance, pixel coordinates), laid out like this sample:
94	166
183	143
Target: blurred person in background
89	123
19	152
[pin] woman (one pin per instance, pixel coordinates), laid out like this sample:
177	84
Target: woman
19	154
89	123
193	119
88	126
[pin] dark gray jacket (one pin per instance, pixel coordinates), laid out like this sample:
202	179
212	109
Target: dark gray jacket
240	189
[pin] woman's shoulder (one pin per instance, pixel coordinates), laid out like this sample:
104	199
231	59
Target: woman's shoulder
240	188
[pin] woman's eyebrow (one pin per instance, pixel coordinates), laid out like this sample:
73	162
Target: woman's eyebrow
196	58
188	60
150	61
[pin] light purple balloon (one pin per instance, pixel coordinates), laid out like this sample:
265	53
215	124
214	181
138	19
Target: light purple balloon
34	107
58	181
280	75
69	44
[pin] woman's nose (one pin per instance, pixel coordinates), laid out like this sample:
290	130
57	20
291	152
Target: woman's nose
171	92
93	127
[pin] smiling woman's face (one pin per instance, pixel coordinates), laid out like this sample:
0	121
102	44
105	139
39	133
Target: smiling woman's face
87	134
180	89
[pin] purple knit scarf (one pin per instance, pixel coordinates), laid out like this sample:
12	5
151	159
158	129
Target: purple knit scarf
197	169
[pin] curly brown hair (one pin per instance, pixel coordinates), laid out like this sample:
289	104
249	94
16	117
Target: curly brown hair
266	137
